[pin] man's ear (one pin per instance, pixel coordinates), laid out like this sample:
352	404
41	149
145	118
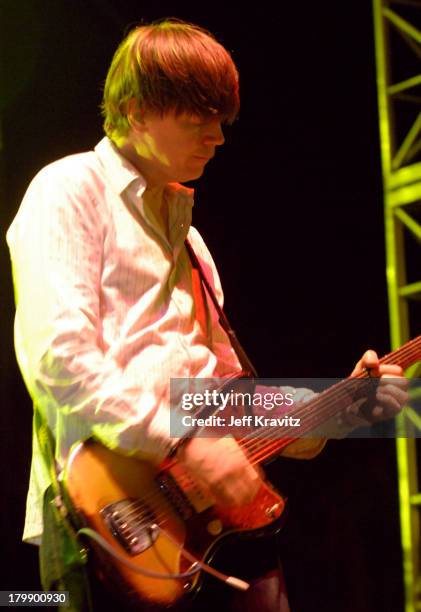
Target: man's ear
135	116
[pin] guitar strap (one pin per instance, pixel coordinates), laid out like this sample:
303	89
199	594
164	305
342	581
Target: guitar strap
248	368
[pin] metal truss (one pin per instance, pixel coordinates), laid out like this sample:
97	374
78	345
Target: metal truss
397	26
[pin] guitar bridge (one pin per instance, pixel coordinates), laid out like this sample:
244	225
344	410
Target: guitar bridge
132	524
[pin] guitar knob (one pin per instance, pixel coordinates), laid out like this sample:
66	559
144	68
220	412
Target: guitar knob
214	527
271	512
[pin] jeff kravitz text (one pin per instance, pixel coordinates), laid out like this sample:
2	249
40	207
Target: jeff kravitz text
243	421
222	410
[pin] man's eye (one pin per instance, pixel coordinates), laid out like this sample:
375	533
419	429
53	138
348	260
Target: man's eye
199	121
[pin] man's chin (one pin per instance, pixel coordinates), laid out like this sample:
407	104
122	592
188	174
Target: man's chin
191	176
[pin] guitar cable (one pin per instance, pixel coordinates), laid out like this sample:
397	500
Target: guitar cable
196	566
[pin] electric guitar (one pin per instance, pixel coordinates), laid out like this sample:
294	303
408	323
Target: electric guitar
154	531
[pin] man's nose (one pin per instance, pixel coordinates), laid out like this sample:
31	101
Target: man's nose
214	134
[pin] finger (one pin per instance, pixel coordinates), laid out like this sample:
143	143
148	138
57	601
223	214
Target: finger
354	408
388	407
391	398
390	369
369	360
377	412
353	417
237	488
394	380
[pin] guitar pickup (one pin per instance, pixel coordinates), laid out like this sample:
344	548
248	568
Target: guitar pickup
132	524
185	491
174	495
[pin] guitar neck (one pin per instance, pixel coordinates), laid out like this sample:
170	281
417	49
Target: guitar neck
262	446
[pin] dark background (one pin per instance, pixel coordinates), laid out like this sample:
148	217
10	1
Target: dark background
292	211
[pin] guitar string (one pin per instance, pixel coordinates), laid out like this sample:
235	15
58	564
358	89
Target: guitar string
406	354
134	507
254	439
264	444
266	447
326	405
164	510
309	418
159	496
136	510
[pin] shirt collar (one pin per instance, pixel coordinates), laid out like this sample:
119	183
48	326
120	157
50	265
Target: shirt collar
120	172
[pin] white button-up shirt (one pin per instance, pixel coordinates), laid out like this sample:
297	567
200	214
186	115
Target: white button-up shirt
105	310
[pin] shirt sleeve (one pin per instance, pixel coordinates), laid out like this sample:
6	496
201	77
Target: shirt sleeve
56	244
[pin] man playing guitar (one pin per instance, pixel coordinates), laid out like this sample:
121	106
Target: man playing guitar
107	304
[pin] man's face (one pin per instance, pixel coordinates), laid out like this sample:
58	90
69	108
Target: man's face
176	148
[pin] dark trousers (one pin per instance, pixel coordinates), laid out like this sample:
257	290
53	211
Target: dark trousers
257	562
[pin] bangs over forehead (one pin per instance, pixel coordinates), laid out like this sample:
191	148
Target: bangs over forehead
170	66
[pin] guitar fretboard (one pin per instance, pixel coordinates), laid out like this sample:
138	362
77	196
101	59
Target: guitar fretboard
262	445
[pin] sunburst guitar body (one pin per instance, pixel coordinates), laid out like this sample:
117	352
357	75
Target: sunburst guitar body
157	519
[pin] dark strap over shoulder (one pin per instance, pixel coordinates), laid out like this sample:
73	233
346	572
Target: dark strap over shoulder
247	366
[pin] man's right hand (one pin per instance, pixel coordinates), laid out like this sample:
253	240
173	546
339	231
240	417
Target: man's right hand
221	468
